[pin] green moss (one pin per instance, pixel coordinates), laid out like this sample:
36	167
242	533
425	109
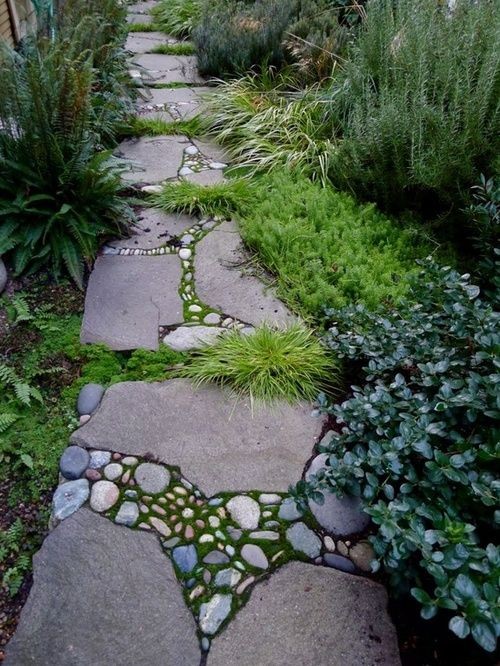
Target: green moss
182	48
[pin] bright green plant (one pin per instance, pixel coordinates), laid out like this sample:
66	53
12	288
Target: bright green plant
140	126
16	563
485	214
418	440
267	364
177	17
325	249
219	200
181	48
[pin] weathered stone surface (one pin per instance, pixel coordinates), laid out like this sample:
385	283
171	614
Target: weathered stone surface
3	275
206	177
269	498
185	557
152	478
254	555
69	497
139	18
214	612
143	42
337	515
89	398
216	557
289	510
103	595
265	535
227	578
239	448
74	461
306	615
128	298
153	159
153	229
169	68
362	555
304	539
212	151
225	286
185	338
104	495
99	459
245	511
181	103
339	562
113	471
142	7
127	514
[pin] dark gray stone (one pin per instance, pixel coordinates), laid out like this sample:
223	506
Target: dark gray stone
222	284
152	478
185	557
216	557
3	275
338	515
128	298
304	539
74	461
89	398
69	497
308	615
242	448
153	229
153	159
339	562
103	595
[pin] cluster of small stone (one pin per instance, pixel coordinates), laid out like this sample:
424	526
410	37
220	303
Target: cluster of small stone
194	161
173	108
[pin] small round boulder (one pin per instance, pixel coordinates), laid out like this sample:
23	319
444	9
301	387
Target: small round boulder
89	398
104	495
152	478
74	461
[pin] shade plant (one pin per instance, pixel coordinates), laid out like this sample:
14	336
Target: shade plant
418	442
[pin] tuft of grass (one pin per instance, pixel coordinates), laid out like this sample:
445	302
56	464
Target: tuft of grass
142	27
140	126
182	48
269	364
220	200
177	17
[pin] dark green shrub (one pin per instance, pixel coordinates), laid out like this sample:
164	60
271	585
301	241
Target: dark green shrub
419	103
419	442
326	249
177	17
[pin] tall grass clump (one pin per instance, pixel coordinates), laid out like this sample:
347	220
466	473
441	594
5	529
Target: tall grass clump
420	103
268	364
219	200
177	17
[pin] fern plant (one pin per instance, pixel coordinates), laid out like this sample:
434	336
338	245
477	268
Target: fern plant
23	392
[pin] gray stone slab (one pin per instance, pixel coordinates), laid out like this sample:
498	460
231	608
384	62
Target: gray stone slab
208	177
168	68
142	7
103	594
224	284
153	229
219	442
139	18
181	103
213	151
306	615
128	298
153	159
144	42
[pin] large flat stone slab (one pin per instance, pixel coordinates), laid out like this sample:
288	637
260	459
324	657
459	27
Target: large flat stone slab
128	298
169	68
140	18
224	284
153	229
310	616
144	42
216	439
103	594
153	159
181	103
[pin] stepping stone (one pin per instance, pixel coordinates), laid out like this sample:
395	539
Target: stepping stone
207	177
153	159
338	515
153	229
103	594
186	102
143	42
89	398
211	150
185	338
169	68
305	614
216	438
222	284
142	7
304	540
139	18
128	298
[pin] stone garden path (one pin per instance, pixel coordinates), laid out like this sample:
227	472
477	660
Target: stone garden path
174	539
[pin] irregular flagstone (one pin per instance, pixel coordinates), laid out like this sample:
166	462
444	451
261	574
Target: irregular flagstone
207	177
223	284
183	102
153	229
339	515
305	614
216	438
128	298
142	7
213	151
153	159
143	42
169	68
103	595
139	18
185	338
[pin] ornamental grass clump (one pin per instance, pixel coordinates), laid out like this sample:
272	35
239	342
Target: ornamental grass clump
267	364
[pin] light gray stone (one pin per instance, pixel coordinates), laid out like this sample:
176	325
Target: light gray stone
216	557
304	539
212	318
74	461
264	535
99	459
113	471
254	555
153	159
206	177
305	615
241	448
142	7
89	398
169	68
103	595
183	103
214	612
222	284
269	498
69	497
212	151
152	478
338	515
139	18
104	495
227	578
185	338
153	229
127	514
128	298
3	275
245	511
289	510
143	42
